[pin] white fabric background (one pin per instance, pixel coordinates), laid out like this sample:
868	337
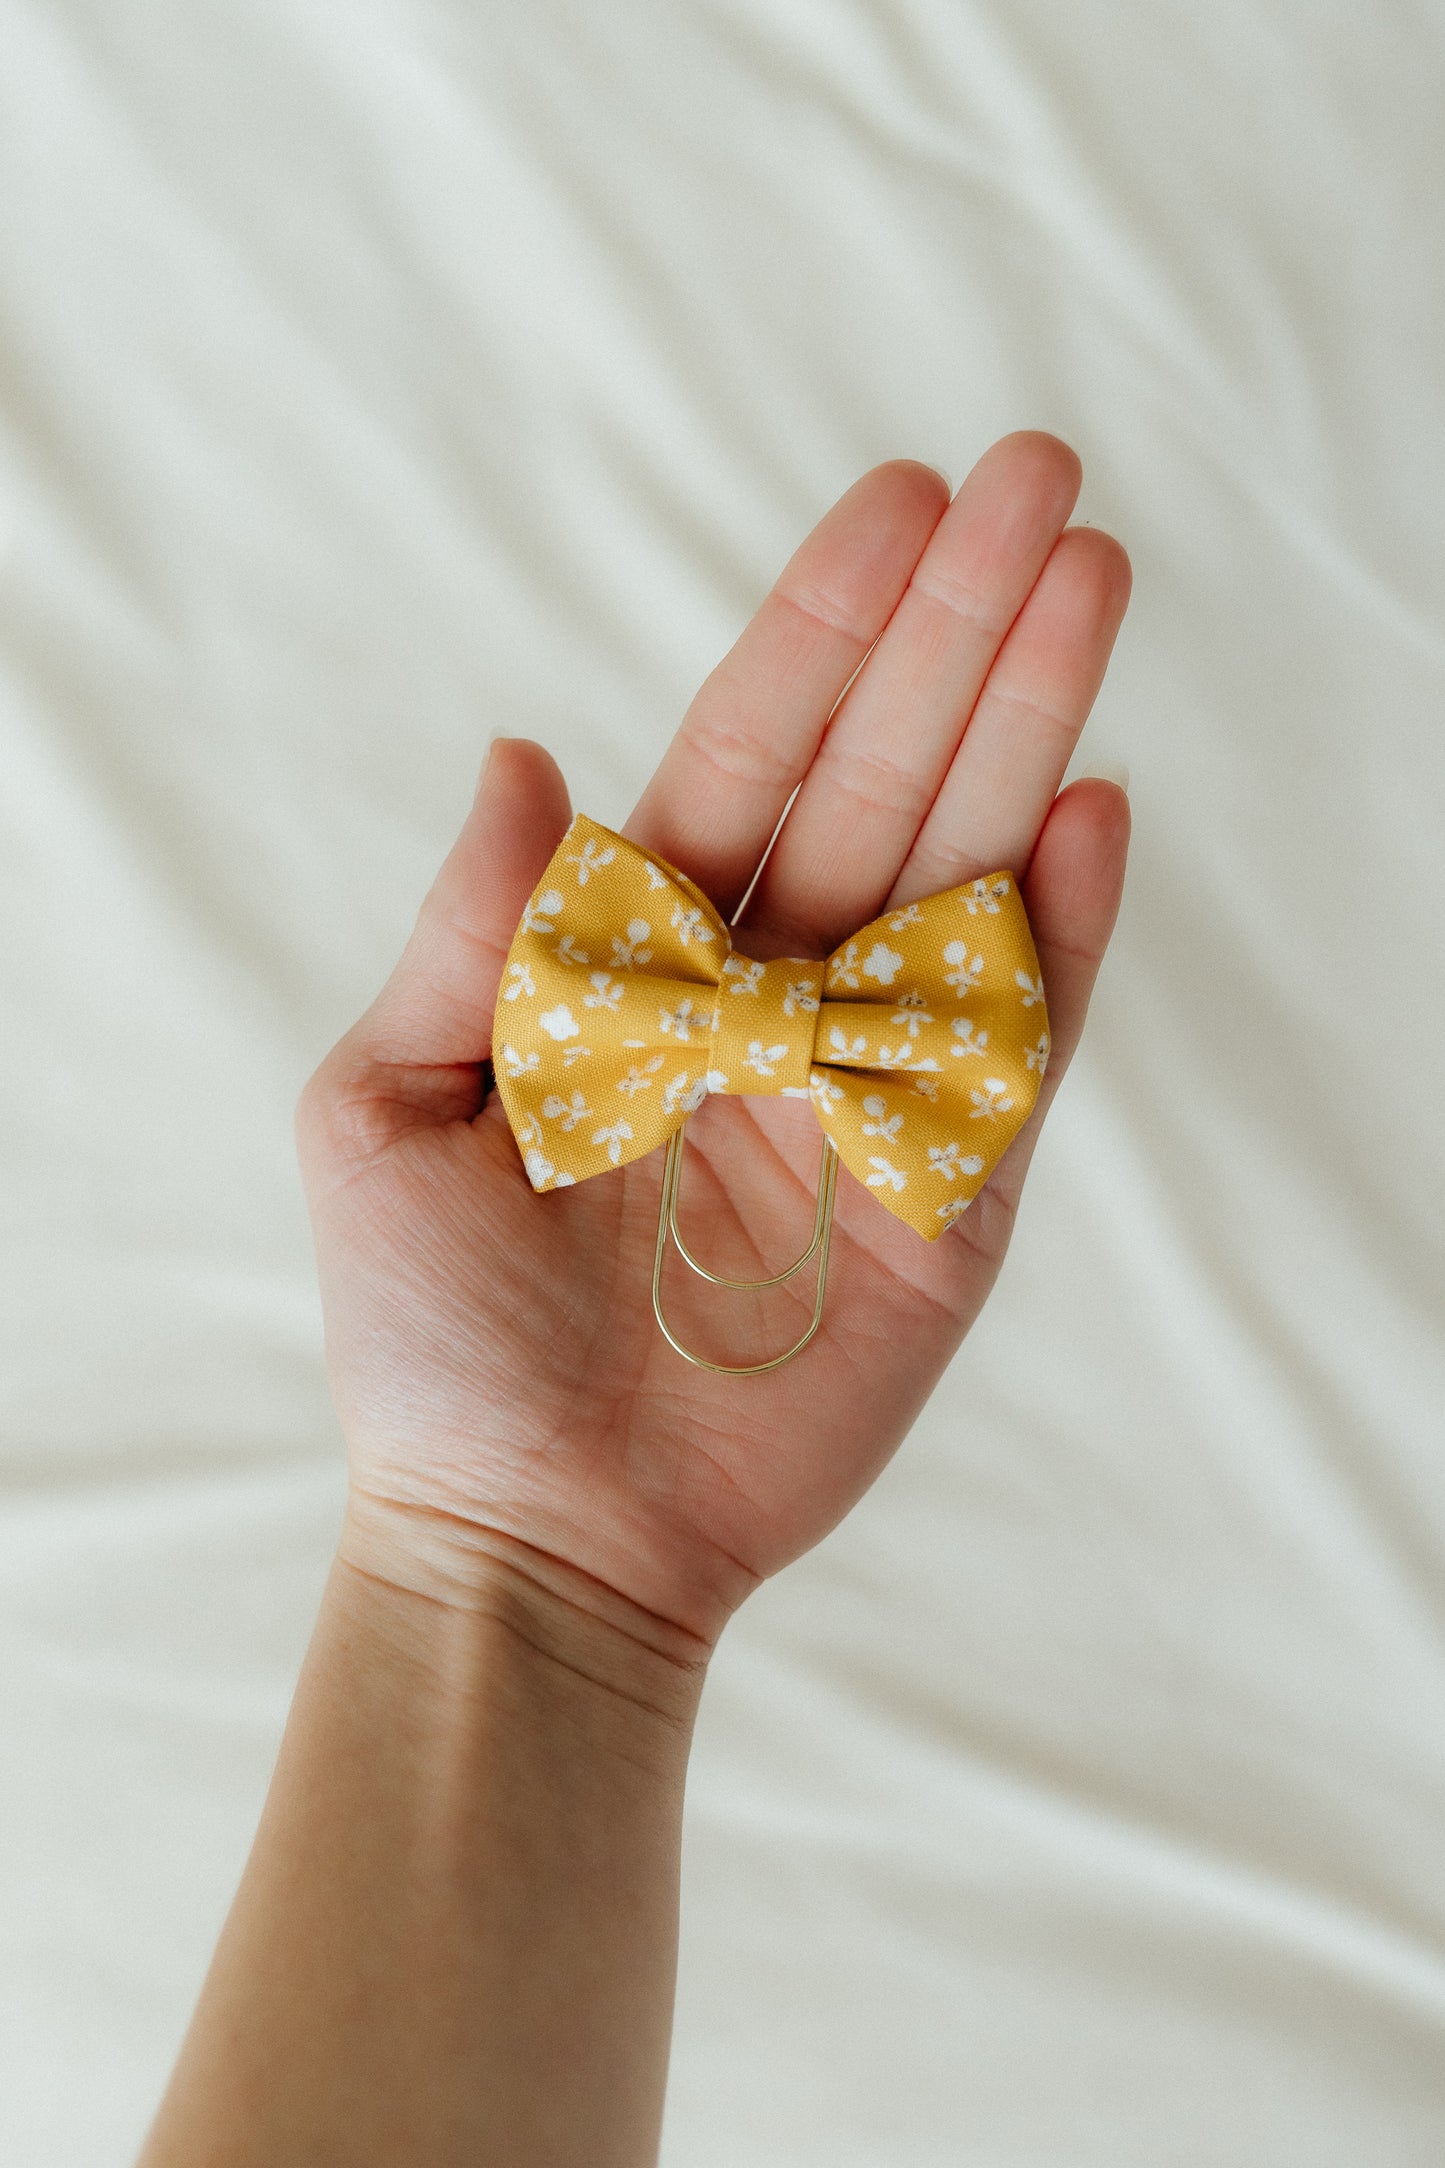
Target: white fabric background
377	373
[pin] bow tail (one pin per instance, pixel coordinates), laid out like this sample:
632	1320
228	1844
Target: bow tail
920	1145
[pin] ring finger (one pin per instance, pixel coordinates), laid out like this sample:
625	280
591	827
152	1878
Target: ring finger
1024	727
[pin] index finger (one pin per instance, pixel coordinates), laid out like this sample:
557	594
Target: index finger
750	735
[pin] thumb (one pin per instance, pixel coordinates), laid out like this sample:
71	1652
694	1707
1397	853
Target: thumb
436	1008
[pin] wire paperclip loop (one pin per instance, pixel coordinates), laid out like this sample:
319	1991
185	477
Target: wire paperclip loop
818	1246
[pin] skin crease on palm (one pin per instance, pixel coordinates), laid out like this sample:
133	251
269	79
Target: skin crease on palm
919	676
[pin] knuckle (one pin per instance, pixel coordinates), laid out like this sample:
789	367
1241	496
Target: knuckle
947	592
823	612
736	751
341	1118
1036	714
872	779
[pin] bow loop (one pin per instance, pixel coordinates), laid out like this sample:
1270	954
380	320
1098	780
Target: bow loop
922	1040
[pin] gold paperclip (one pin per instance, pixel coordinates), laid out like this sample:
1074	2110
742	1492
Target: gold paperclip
818	1246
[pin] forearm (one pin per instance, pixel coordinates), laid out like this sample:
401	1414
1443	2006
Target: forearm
455	1940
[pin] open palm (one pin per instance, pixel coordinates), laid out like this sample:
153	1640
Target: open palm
493	1353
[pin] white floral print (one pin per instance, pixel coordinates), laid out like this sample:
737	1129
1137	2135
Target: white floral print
1037	1056
689	924
966	970
944	1159
745	972
925	1087
592	859
993	1099
639	1076
882	963
910	917
654	878
954	1209
540	914
984	895
559	1023
628	953
850	1049
680	1023
885	1175
683	1097
606	991
764	1059
1033	989
540	1169
520	982
519	1064
910	1016
802	995
569	952
825	1092
575	1053
970	1039
880	1122
614	1135
842	971
569	1112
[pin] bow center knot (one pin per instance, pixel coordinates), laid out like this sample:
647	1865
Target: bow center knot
764	1025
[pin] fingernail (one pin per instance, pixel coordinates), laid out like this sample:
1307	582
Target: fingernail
493	742
1111	771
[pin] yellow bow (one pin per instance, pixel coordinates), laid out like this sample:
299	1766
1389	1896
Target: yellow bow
921	1042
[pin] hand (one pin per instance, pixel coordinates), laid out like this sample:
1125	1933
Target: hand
493	1354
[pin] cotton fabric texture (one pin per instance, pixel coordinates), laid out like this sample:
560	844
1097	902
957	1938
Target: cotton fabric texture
921	1042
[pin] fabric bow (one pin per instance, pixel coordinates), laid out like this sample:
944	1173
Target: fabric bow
921	1042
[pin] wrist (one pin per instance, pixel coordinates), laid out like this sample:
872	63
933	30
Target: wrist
440	1588
456	1934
